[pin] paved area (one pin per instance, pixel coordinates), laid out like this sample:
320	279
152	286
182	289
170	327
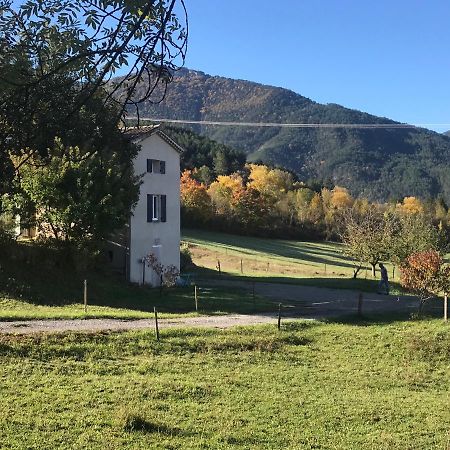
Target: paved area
316	302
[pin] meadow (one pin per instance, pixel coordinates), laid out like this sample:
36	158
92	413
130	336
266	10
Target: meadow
320	264
312	385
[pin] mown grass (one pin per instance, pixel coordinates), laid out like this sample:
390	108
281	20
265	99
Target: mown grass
274	260
311	386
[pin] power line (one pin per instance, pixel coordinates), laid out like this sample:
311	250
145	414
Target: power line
293	125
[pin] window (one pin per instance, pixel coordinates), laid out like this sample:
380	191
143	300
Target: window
156	208
156	166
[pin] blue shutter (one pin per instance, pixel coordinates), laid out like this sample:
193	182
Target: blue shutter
162	167
163	209
149	165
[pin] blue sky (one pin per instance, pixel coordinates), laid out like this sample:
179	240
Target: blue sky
389	58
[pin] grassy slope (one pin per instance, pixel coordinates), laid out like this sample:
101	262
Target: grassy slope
313	263
312	385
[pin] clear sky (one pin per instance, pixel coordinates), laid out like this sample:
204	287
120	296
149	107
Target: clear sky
389	58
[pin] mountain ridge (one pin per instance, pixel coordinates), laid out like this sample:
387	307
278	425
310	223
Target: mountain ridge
380	164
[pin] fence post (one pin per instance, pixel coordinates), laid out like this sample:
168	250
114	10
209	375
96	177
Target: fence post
85	296
360	302
156	323
195	298
446	307
325	269
218	267
279	315
242	267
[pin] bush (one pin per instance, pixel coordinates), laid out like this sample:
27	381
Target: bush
185	258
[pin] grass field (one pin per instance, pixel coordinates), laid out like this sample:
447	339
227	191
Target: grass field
313	263
27	292
311	386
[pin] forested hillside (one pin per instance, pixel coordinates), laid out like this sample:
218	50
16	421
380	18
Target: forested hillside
380	164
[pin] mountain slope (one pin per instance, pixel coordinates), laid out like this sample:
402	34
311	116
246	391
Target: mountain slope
378	163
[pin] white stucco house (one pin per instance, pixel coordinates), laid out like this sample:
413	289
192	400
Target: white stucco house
154	225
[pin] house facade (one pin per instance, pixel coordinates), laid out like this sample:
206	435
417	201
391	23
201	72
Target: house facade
155	221
154	225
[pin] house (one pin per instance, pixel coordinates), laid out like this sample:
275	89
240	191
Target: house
154	225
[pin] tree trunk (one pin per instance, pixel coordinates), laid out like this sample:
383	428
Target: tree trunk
374	273
356	271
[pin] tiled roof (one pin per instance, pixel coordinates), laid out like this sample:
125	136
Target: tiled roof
137	134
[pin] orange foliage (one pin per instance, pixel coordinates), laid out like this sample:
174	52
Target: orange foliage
425	274
194	196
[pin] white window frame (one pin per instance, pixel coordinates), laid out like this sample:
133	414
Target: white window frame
156	208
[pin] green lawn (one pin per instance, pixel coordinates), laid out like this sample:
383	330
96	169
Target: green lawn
312	263
311	386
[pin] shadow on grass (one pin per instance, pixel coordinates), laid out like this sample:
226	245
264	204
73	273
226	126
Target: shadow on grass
27	284
316	252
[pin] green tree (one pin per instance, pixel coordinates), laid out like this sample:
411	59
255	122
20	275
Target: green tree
411	233
366	237
77	196
56	56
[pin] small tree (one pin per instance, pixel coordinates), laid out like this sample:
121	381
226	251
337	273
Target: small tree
365	236
426	275
167	274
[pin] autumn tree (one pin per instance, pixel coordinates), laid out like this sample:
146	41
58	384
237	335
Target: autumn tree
222	192
269	182
411	205
195	201
425	274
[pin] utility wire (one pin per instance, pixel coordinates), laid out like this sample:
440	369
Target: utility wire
292	125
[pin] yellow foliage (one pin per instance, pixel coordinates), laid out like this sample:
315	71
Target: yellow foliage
340	198
411	205
268	181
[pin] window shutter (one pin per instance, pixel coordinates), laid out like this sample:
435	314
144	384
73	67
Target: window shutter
149	208
163	209
162	167
149	165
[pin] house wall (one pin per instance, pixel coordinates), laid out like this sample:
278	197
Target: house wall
160	238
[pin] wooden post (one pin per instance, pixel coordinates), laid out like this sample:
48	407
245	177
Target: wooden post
196	298
218	267
446	307
393	272
279	315
325	269
360	302
85	296
242	267
267	266
156	323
